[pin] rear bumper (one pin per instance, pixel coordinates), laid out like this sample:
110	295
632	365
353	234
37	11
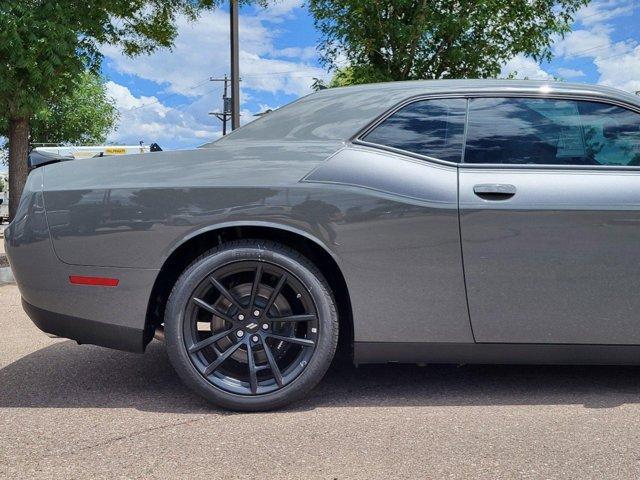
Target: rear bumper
113	317
84	330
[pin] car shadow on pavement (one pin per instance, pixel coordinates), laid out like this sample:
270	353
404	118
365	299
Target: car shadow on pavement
65	375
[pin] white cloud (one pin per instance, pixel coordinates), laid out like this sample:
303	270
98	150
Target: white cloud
584	43
618	63
126	101
620	70
303	53
280	10
604	10
523	67
570	72
202	50
148	119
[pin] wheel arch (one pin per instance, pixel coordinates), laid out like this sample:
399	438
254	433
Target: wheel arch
193	246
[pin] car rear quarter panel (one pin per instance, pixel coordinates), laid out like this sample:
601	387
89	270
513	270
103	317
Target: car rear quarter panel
44	283
390	222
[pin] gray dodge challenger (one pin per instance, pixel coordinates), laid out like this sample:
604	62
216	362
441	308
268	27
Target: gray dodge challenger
429	221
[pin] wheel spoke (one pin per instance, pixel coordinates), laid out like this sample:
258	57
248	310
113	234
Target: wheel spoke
256	284
276	292
211	309
253	374
294	318
213	366
225	293
246	300
298	341
274	366
208	341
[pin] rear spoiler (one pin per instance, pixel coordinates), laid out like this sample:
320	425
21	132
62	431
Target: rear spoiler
40	159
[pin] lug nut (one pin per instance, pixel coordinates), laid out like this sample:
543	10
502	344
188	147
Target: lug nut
241	317
256	313
240	333
255	338
265	326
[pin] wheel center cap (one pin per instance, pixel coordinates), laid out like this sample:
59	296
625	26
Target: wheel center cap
251	327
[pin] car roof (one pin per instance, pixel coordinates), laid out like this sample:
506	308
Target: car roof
336	114
417	87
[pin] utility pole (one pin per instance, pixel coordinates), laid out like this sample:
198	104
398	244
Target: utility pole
226	104
235	65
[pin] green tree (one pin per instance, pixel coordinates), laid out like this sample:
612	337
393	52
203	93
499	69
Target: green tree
85	114
385	40
342	77
46	45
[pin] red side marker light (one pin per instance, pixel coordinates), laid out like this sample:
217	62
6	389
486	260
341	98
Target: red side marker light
94	281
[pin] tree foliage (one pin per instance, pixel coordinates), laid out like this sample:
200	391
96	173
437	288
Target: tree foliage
45	46
384	40
85	114
342	77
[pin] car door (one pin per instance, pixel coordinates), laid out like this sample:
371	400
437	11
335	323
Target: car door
550	221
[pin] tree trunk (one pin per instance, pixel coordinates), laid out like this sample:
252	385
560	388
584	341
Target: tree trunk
18	168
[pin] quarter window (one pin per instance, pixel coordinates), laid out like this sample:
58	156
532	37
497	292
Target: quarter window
434	128
551	132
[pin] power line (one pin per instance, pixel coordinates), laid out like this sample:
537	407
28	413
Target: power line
604	45
227	106
631	52
609	45
158	100
299	73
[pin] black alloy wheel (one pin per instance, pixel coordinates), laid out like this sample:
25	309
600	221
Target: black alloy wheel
251	325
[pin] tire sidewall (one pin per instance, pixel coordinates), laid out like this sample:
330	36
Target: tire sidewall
326	339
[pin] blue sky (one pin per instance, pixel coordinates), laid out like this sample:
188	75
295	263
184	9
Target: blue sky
165	97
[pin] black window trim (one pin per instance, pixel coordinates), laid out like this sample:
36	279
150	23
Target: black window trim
358	138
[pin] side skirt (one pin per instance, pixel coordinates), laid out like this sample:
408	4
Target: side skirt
495	353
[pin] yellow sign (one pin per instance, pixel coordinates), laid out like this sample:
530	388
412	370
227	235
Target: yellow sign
115	151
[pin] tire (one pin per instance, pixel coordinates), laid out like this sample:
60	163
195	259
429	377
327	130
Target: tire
283	352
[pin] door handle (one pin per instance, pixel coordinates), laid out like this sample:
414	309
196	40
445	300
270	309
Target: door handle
494	191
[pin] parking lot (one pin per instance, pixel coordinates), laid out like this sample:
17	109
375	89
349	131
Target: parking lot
69	411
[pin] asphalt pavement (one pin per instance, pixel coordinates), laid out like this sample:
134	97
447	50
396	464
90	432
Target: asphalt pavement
69	411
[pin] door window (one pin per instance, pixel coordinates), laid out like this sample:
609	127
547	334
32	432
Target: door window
434	128
551	132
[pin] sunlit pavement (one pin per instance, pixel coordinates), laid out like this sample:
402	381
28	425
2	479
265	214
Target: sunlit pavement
5	273
69	411
2	227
